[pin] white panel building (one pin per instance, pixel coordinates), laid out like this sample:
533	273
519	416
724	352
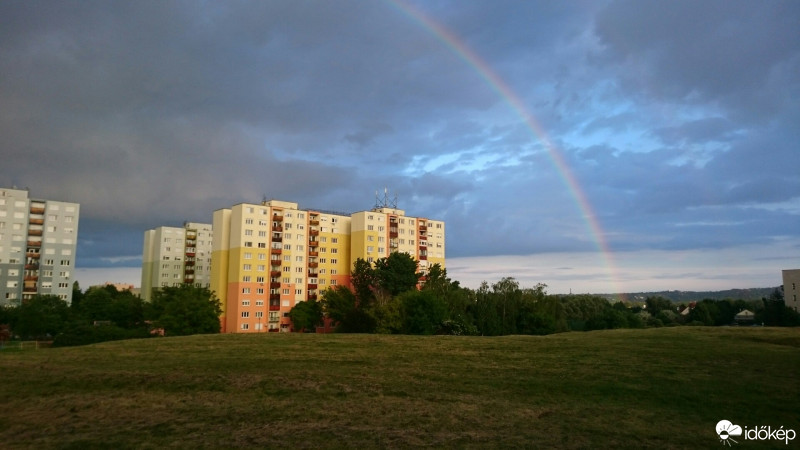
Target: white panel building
38	240
173	256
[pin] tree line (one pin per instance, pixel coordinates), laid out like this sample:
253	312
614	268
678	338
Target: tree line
386	298
105	314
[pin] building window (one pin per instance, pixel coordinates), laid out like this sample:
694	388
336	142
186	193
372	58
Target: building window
245	326
245	314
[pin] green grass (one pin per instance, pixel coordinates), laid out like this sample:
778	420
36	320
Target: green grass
658	388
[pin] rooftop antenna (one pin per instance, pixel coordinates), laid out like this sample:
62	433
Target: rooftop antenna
385	202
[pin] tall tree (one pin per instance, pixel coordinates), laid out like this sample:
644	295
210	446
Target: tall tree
363	280
396	273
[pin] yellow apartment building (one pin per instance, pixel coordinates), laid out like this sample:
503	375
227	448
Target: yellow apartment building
268	257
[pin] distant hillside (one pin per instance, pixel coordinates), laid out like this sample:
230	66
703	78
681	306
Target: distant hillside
690	296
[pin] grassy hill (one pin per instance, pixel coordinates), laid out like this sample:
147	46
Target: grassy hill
659	388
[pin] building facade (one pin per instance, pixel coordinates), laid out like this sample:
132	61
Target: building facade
268	257
791	288
176	255
38	241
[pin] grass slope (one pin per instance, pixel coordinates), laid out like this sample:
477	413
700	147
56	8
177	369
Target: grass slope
659	388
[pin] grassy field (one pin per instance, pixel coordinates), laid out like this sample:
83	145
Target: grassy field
659	388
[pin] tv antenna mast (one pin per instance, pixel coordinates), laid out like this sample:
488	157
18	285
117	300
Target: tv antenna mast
385	202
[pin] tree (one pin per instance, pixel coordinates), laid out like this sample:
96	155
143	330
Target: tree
396	273
185	310
654	305
77	295
363	279
306	316
422	312
341	306
43	316
508	294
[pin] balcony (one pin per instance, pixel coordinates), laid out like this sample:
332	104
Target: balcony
313	274
275	274
34	232
274	298
189	263
188	271
34	243
277	238
312	286
313	243
37	210
188	281
312	296
277	217
423	227
422	237
277	229
36	221
35	255
314	222
274	308
275	262
313	265
393	235
29	289
423	257
32	266
275	251
190	253
33	278
313	253
313	233
275	285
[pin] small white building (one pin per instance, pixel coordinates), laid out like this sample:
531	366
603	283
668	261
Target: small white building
791	288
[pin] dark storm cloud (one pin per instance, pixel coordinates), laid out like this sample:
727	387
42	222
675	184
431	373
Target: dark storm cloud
677	119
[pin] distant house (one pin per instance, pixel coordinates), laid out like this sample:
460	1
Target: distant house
746	317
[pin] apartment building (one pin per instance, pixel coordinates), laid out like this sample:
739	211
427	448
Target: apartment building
268	257
176	255
38	240
380	231
791	288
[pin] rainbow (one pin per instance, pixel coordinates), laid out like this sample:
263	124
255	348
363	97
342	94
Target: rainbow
493	80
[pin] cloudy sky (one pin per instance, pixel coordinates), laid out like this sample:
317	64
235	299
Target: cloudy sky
595	146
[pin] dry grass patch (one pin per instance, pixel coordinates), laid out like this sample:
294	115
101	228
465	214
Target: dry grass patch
662	388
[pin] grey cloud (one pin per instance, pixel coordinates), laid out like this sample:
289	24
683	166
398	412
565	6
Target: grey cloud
669	116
